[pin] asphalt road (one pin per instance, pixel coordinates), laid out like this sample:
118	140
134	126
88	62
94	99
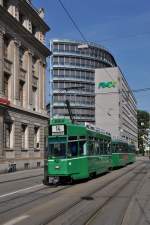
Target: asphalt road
121	197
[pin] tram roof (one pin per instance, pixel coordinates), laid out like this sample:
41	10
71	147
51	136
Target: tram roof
80	129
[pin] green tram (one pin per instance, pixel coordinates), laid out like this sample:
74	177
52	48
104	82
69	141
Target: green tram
122	153
76	151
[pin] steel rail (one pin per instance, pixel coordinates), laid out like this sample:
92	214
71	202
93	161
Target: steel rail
21	178
119	190
75	203
30	201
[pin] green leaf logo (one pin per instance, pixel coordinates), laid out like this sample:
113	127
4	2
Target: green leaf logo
110	84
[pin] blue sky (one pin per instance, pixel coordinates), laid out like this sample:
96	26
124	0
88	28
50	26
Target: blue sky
121	26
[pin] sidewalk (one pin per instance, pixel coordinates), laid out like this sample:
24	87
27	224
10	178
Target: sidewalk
138	211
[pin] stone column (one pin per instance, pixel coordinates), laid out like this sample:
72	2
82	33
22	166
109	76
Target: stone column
17	138
1	61
31	140
44	86
30	55
42	89
16	71
40	86
28	84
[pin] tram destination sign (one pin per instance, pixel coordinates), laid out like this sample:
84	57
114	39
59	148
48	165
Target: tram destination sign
58	130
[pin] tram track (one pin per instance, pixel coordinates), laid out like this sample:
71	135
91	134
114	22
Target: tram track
49	194
114	195
30	201
84	198
21	178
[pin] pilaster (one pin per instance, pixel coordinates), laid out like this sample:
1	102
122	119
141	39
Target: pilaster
42	69
15	73
28	84
1	61
40	86
1	133
44	86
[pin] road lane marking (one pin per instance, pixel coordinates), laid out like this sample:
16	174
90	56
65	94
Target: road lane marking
16	220
20	190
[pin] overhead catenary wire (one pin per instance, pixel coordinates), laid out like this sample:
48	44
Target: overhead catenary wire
72	20
123	91
107	93
109	74
78	29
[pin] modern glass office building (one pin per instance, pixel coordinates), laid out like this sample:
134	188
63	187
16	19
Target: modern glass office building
73	65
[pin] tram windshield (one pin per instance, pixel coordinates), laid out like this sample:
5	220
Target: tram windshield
57	150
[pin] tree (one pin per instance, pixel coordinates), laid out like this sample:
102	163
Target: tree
143	120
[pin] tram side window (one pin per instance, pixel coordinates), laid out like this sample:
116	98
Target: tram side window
57	150
97	148
116	148
82	148
119	148
91	148
108	147
131	148
105	148
126	148
73	148
101	147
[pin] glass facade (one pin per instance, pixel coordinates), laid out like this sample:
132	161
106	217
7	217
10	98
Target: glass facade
73	77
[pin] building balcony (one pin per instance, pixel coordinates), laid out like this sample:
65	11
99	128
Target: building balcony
56	65
22	74
74	105
81	92
82	80
34	81
7	65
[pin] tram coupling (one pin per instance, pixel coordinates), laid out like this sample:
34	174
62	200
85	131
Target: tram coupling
54	180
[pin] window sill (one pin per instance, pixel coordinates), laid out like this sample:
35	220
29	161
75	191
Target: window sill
36	149
24	150
9	149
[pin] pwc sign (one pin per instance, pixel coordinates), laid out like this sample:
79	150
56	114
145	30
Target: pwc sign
109	84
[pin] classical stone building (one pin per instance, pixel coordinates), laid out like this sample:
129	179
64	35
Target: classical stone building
23	54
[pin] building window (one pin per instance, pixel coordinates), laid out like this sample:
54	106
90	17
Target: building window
5	48
61	47
21	56
5	84
21	92
38	164
36	138
21	18
24	137
34	29
26	165
34	98
8	135
61	60
34	66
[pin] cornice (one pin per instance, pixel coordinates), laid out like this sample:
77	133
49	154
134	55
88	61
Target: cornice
34	13
20	32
